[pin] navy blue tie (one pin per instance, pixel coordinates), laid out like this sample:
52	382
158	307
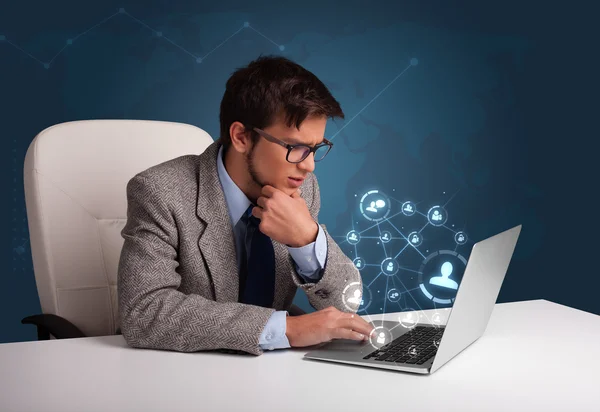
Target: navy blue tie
257	274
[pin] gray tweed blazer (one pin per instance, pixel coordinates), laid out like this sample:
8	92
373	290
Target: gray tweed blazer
177	278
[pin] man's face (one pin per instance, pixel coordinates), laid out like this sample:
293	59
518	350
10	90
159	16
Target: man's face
266	160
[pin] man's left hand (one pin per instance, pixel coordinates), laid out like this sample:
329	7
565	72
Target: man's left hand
284	218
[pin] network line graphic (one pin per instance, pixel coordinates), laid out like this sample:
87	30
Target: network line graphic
408	257
157	33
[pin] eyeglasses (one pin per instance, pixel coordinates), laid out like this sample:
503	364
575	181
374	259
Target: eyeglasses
298	152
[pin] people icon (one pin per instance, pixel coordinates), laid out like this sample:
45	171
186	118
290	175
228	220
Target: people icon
353	236
461	238
408	208
373	206
444	280
381	337
358	264
394	295
436	318
408	318
412	351
390	267
356	298
436	343
385	236
436	215
415	239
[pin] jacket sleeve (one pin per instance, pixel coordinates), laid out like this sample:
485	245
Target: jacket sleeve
153	313
339	271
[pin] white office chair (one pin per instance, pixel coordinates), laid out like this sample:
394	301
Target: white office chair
75	178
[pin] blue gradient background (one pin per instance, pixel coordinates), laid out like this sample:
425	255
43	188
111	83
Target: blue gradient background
496	119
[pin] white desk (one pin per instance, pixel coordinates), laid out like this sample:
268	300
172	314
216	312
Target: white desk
534	356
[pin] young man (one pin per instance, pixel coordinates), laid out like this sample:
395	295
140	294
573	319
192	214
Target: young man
216	245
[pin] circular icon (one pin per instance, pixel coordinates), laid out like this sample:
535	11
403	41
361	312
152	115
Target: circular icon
354	299
359	263
393	295
436	342
437	216
415	239
408	319
380	336
385	236
353	237
460	238
412	351
389	267
436	319
409	208
440	274
374	205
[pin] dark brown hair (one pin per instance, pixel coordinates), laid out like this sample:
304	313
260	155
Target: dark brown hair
273	86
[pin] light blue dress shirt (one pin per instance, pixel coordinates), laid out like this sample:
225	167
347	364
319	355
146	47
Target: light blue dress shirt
308	259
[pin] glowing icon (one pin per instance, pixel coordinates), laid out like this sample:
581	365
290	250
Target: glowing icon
460	238
379	337
376	205
385	236
394	295
359	263
436	343
389	266
353	237
357	298
412	351
415	238
444	280
409	208
355	295
437	216
436	318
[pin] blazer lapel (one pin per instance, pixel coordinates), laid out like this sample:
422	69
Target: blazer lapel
216	242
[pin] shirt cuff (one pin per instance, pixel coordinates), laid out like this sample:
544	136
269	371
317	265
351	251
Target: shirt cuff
273	335
310	259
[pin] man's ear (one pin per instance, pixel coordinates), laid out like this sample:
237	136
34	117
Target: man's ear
240	137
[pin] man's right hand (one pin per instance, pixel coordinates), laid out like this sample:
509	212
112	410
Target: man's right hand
325	325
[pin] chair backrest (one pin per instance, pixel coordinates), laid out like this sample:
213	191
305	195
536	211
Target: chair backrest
75	178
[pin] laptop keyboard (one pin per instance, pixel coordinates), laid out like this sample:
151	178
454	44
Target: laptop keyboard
414	347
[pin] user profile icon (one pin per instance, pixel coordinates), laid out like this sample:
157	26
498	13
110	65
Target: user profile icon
409	208
389	266
374	205
385	236
409	318
460	238
379	337
352	296
353	237
437	216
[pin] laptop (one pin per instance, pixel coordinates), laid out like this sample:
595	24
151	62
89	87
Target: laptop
424	347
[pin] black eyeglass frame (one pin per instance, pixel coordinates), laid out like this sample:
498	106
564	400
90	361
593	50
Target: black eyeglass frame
290	147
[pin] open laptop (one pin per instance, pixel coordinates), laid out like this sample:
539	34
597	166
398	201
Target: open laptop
425	347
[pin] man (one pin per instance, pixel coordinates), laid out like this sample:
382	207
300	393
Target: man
216	245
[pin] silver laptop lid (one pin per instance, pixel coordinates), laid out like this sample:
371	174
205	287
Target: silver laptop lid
476	294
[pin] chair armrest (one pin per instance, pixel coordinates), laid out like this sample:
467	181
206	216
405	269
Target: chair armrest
57	326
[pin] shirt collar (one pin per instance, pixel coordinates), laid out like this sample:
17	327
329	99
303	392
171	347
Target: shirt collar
237	201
